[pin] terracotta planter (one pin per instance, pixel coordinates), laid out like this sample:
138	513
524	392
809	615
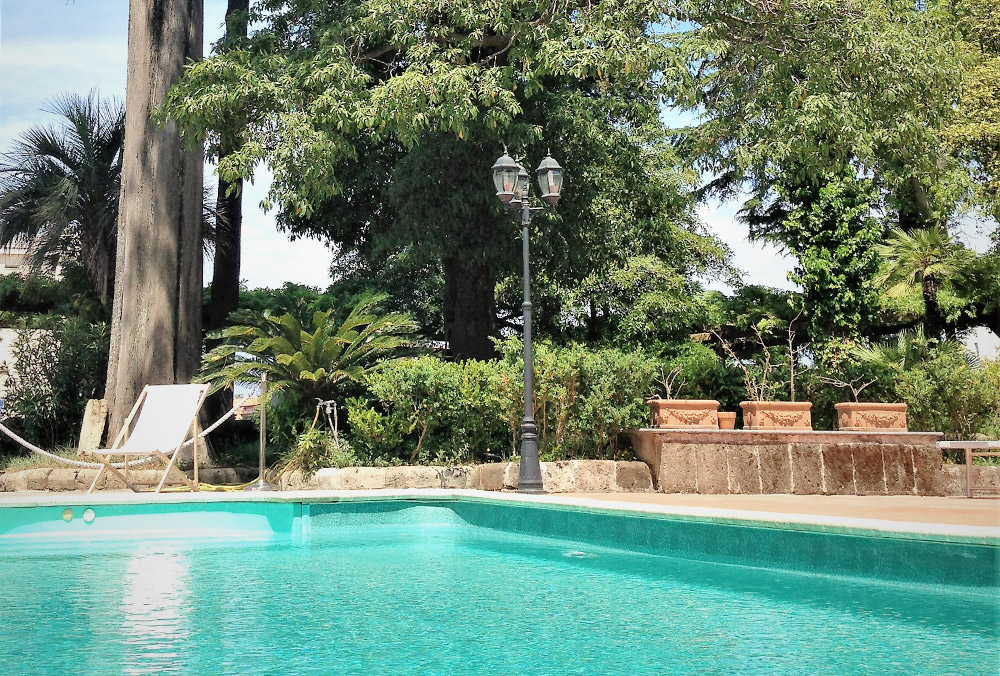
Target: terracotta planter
727	420
853	416
701	414
776	415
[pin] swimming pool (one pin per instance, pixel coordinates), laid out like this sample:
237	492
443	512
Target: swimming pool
478	586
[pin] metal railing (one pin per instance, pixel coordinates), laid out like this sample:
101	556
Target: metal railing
974	449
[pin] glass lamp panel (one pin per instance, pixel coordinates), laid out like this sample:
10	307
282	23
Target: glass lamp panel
510	180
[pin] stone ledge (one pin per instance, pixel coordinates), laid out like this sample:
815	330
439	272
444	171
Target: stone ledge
723	462
568	476
79	479
689	436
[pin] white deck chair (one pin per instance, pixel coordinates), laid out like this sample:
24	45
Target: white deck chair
163	418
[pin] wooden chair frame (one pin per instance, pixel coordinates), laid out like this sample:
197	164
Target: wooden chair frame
193	431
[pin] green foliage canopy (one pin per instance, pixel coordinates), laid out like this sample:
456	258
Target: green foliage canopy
380	120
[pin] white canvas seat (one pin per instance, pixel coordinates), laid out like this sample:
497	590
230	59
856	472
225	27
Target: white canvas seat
163	419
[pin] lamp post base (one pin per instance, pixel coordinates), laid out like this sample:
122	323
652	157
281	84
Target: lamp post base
262	485
529	479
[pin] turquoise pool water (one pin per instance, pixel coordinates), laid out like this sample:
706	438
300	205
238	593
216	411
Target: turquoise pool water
478	588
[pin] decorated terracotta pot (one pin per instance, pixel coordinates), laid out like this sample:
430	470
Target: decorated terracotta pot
854	416
702	414
776	415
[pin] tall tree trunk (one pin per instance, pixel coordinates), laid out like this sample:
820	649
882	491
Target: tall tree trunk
156	320
229	207
469	308
225	293
933	321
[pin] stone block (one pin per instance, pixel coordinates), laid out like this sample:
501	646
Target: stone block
294	481
927	464
363	478
744	474
678	469
219	475
19	481
95	419
409	477
146	477
457	477
647	447
37	479
595	476
633	477
491	476
838	469
472	479
983	476
246	474
712	469
869	471
85	477
899	476
62	480
329	479
775	468
559	477
953	479
3	481
511	475
807	469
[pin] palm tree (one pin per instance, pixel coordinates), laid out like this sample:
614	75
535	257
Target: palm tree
924	258
59	188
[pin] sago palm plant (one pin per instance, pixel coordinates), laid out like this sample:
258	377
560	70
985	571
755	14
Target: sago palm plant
306	360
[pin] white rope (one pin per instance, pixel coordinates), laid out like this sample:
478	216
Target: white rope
117	465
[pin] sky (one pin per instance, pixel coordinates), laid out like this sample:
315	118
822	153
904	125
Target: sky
49	47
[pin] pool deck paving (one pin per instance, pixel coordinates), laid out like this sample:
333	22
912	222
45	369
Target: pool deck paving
915	515
916	509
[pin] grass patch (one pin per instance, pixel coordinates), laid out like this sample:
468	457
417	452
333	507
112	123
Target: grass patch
16	463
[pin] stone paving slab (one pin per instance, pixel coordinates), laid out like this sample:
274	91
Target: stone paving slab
905	508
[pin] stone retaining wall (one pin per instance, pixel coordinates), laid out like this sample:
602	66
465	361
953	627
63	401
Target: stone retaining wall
73	479
807	462
590	476
582	476
570	476
983	476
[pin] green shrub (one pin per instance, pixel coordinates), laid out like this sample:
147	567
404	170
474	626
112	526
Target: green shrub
945	393
53	375
317	448
698	372
428	410
433	411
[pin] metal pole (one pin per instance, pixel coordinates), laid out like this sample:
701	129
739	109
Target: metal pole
530	479
263	424
262	484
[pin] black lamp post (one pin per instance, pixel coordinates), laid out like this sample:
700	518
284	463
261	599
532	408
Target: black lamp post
513	189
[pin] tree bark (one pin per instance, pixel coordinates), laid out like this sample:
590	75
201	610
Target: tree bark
156	319
932	310
225	296
469	309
